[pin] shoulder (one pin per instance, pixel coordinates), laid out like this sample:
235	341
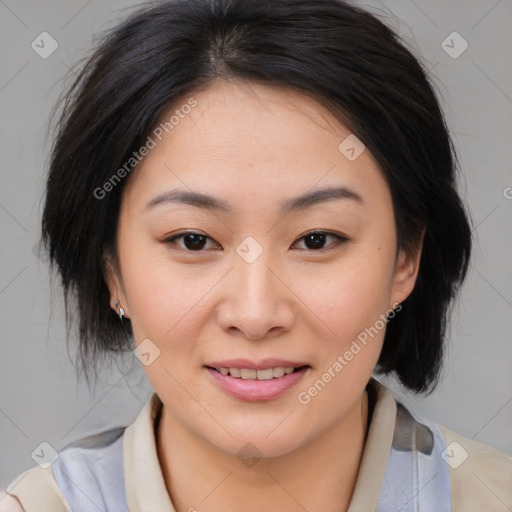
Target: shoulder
449	469
480	476
89	469
91	465
33	490
9	503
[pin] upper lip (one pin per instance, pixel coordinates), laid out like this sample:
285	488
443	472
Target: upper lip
264	364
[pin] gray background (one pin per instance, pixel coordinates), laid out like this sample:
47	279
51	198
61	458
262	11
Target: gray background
41	398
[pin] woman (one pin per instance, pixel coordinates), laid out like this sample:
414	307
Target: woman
259	199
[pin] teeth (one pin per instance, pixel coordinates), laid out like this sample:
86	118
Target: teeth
252	374
235	372
246	374
278	372
265	374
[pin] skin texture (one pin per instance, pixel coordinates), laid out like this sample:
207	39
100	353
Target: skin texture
254	146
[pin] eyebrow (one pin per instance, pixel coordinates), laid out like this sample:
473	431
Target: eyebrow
301	202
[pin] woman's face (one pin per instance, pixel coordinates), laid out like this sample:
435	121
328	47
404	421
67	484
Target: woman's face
250	284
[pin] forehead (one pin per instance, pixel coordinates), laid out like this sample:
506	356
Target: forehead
248	140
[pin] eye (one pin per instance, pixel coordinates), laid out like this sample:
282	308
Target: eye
194	241
316	239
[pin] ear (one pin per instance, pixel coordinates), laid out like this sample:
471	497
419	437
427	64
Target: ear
406	271
115	285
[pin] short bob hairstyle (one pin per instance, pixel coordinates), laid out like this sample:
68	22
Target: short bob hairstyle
336	53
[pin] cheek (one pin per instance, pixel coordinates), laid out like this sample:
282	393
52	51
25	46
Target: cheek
352	306
349	295
162	298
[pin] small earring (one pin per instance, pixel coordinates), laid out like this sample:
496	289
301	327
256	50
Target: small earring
121	310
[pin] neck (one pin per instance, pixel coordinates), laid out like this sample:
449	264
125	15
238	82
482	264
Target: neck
320	475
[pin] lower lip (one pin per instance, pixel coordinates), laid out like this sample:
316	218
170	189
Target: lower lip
252	390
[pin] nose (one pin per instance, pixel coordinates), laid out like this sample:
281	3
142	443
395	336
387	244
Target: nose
257	302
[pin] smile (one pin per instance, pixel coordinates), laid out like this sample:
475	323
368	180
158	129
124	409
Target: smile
254	374
250	384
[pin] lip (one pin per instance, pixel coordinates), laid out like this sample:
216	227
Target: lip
255	390
264	364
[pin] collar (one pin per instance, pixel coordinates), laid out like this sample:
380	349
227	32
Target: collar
145	485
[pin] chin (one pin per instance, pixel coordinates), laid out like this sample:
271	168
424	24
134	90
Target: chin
251	448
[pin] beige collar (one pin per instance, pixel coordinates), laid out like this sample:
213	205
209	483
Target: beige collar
144	482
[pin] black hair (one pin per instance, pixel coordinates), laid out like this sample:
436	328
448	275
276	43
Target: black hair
340	55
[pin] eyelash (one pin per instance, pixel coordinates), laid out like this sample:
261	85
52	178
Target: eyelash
340	240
